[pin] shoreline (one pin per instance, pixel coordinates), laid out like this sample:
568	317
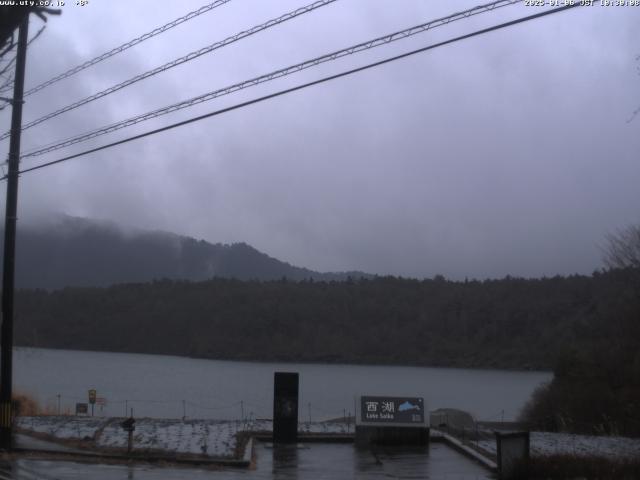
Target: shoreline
516	369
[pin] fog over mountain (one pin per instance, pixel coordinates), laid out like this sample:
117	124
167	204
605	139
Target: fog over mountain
509	153
73	251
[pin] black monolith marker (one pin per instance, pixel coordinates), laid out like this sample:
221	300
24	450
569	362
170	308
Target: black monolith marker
285	407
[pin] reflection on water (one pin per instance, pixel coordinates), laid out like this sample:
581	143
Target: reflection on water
313	461
339	461
285	461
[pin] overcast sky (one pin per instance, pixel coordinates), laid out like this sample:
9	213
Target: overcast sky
509	153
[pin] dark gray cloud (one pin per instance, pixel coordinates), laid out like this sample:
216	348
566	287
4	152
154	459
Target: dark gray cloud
504	154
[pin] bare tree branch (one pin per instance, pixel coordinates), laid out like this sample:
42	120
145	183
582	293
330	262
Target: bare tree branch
7	66
36	35
9	46
7	84
623	248
40	11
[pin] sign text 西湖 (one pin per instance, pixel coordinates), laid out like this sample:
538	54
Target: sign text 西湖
409	410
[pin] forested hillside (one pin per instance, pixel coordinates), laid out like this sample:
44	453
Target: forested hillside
70	251
508	323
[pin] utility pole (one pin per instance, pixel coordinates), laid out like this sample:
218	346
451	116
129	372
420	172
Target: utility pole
8	272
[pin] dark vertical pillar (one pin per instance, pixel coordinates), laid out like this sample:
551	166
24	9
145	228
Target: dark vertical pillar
8	273
285	407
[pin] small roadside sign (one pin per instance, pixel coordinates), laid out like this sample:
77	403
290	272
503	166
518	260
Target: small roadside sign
82	409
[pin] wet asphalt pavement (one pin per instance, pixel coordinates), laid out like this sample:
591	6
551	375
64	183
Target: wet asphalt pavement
314	461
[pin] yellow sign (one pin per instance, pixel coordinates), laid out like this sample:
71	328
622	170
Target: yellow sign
92	396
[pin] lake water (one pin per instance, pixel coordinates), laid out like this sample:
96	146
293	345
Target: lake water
172	387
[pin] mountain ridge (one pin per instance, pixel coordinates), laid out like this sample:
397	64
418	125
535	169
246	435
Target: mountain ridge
64	251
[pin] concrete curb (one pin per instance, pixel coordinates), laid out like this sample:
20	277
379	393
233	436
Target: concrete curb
136	458
248	451
438	435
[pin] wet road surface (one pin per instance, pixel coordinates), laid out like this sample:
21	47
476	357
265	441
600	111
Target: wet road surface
314	461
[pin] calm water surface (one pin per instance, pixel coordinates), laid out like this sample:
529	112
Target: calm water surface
171	387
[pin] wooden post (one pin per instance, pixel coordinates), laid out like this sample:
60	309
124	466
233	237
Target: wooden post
130	442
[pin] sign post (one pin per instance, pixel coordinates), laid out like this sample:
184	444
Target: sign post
81	408
129	425
101	402
391	420
92	399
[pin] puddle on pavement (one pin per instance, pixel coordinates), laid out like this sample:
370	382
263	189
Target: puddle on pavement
307	461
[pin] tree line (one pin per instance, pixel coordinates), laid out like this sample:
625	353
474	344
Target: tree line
508	323
584	328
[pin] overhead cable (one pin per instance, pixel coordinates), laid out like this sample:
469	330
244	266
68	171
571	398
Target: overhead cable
303	86
179	61
127	45
376	42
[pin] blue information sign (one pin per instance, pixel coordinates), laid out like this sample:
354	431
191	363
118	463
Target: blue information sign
408	410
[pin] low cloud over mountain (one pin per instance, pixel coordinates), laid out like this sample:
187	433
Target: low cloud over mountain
71	251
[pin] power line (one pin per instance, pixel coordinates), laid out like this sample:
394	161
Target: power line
376	42
302	86
127	45
179	61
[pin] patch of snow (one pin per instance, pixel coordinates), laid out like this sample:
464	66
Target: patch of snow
64	427
546	443
328	428
215	438
204	437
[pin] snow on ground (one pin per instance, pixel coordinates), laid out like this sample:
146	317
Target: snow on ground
215	438
325	427
208	437
64	427
546	443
